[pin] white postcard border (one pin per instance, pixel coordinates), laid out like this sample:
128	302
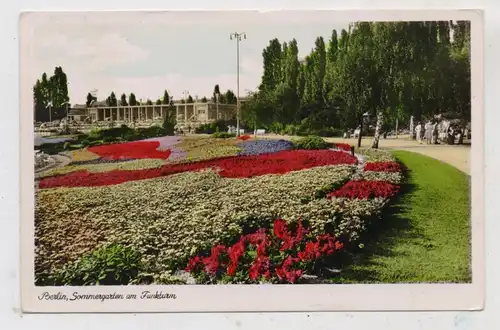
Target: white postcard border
355	297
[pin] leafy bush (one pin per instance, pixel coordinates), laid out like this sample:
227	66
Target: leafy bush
51	148
111	264
150	132
85	143
67	145
223	135
109	139
168	125
310	142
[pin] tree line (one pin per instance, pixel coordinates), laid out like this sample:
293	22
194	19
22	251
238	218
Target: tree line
389	70
50	95
224	98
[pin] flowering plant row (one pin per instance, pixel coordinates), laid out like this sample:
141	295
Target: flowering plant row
232	167
257	147
171	218
244	137
342	146
135	150
382	167
281	255
362	189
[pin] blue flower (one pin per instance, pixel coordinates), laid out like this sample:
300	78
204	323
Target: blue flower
258	147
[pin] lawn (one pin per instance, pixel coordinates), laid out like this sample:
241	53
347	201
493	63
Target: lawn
425	235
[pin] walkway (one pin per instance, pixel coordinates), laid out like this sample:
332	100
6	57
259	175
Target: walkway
457	155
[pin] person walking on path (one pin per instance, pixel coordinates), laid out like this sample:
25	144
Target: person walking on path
428	132
435	133
418	133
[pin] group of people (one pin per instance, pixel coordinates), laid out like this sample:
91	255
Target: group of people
428	132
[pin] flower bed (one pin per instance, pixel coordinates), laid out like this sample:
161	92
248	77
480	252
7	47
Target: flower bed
258	147
81	155
131	150
343	146
277	255
363	189
244	137
216	212
129	165
382	167
170	219
233	167
199	149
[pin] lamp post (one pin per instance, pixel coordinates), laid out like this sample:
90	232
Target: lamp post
217	105
186	93
238	37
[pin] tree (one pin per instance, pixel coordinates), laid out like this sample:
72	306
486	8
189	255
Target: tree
166	97
190	99
215	93
111	100
123	100
229	97
90	99
149	102
132	101
159	102
272	56
59	87
204	99
39	102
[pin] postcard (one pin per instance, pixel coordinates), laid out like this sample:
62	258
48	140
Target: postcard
205	161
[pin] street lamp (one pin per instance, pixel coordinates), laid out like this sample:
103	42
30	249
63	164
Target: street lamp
186	93
238	36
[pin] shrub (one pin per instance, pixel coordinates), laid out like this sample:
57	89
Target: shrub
168	125
310	142
85	143
150	132
67	145
109	139
223	135
111	264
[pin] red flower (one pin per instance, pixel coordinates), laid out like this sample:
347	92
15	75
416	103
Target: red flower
343	146
383	167
285	271
244	137
212	263
230	167
258	267
365	189
130	150
193	263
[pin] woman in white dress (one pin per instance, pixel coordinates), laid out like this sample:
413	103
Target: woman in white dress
418	133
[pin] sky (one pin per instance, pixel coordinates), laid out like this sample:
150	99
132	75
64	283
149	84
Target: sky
146	53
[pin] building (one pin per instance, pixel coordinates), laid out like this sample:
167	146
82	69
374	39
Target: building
187	115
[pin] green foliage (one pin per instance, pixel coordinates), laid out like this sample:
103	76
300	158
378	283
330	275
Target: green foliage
398	69
168	124
111	264
310	142
50	96
67	145
223	135
85	143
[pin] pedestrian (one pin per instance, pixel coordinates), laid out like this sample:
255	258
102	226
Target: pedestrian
418	133
427	132
435	133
